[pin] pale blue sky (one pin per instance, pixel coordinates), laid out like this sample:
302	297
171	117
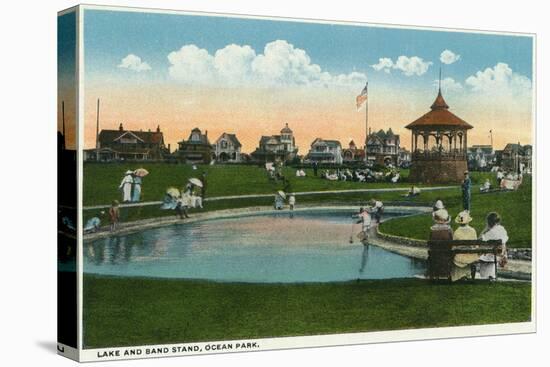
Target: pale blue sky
112	35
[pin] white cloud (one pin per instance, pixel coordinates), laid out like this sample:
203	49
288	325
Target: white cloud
409	66
384	63
499	79
280	64
449	57
412	65
449	84
192	64
134	63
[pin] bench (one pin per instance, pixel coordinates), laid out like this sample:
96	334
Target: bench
442	253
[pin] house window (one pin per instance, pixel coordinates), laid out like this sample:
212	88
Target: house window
224	144
195	137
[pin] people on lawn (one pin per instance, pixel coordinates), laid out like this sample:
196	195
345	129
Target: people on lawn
126	186
486	186
466	191
203	188
493	231
300	173
136	188
114	215
500	176
463	264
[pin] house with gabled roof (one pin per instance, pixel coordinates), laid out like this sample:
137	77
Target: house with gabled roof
122	144
383	147
227	148
325	151
276	147
196	149
353	153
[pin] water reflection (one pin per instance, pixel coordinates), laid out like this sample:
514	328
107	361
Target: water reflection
364	258
310	246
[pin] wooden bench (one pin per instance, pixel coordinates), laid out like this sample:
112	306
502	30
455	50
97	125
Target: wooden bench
442	253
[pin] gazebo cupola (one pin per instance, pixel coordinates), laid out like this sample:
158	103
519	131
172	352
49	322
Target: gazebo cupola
439	144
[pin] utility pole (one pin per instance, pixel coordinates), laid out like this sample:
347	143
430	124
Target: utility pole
97	134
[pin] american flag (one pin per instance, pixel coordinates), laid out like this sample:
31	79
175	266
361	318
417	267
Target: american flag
362	97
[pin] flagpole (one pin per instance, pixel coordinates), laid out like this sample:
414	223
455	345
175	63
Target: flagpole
366	124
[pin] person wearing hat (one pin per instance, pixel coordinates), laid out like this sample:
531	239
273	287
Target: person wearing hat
279	200
493	231
126	186
466	191
377	207
291	203
462	263
114	215
437	206
441	230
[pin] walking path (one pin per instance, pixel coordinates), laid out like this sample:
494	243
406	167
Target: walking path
216	198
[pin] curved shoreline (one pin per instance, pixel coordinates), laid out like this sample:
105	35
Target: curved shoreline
515	269
143	224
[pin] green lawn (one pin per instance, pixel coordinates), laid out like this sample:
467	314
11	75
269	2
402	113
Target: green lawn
513	207
101	181
138	311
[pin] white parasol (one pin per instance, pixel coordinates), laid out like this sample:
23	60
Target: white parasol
281	194
196	182
173	192
141	172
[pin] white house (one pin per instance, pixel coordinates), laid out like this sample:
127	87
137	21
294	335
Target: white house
325	151
227	148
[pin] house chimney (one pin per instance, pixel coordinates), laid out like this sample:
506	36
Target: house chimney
158	128
120	128
206	133
169	148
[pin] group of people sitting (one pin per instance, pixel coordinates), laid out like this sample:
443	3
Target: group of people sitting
360	175
466	265
300	173
180	202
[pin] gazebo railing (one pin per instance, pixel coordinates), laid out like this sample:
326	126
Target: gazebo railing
419	155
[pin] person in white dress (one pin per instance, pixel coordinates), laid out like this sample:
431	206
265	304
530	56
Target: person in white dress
493	231
126	186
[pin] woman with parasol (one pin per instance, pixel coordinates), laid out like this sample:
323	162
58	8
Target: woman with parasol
136	189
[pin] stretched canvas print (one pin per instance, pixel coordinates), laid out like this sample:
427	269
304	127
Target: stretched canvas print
240	183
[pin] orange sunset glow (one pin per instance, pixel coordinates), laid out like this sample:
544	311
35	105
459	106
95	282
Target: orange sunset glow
310	112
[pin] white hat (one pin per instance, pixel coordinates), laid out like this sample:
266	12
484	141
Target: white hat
463	217
439	204
441	216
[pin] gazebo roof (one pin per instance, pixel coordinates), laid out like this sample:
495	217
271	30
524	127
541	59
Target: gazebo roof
439	116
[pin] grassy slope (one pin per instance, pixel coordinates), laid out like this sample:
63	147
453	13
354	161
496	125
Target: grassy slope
137	311
101	181
514	208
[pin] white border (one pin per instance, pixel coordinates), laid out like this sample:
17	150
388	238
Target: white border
88	355
80	177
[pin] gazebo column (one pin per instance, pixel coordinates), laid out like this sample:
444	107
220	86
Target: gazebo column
465	143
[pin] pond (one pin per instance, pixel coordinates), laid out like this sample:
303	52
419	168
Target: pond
313	246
